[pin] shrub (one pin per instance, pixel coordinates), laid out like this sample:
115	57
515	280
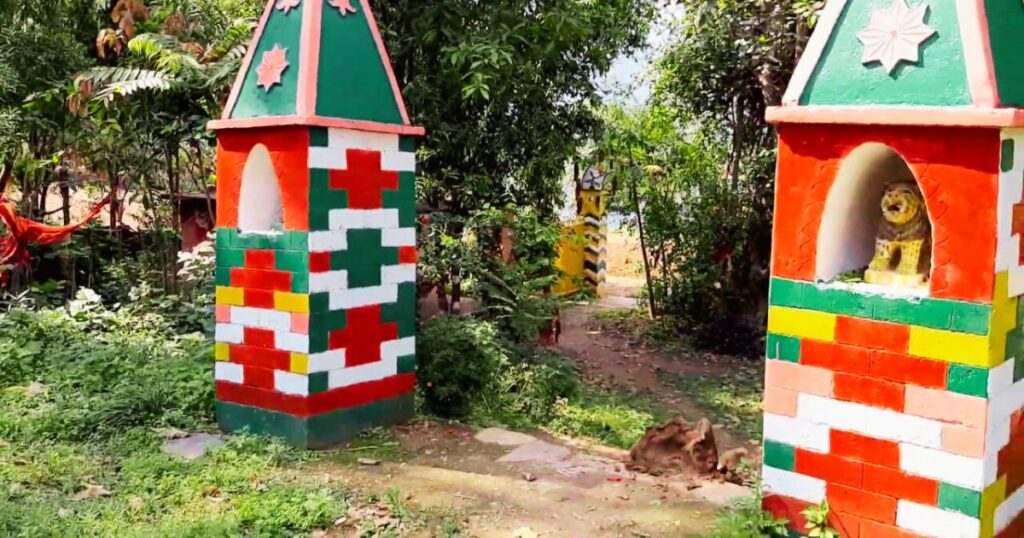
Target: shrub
459	359
529	387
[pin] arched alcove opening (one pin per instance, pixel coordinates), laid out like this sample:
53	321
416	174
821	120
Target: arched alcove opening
259	204
850	222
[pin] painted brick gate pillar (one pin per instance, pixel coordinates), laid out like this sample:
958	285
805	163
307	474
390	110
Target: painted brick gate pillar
897	393
316	237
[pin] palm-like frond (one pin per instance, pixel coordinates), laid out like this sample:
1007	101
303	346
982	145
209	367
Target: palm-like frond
124	81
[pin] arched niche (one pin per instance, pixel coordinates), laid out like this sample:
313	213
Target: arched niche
259	204
849	223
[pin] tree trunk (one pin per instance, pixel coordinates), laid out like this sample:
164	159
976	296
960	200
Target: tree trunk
651	303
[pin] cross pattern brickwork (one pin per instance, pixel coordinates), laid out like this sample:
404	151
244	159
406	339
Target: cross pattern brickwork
316	327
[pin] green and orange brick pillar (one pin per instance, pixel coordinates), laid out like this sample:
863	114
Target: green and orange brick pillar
901	407
316	238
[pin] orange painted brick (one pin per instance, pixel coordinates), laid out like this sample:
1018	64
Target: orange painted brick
300	323
780	401
259	338
848	525
864	504
259	298
873	334
866	449
873	392
829	467
835	357
894	482
903	368
798	378
946	406
871	529
260	259
787	508
964	441
408	255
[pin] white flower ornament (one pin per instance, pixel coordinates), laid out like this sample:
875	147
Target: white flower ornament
895	34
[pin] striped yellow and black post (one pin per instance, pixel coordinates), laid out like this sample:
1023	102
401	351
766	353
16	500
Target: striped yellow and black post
593	212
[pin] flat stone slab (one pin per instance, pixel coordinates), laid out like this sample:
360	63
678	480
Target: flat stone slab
503	437
536	452
194	446
722	493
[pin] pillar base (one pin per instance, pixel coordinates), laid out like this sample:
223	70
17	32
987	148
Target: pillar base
319	431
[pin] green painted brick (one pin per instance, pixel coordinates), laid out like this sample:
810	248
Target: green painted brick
230	257
1007	155
318	382
222	276
785	348
297	241
262	241
971	318
319	302
292	260
226	238
1018	368
402	312
958	499
319	341
407	143
300	282
407	364
848	303
325	322
318	137
788	293
779	455
967	380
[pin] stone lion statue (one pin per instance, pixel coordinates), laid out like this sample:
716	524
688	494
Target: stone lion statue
904	237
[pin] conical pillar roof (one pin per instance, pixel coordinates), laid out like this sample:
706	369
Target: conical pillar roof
317	62
927	62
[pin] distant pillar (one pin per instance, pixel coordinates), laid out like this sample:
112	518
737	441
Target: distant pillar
316	238
593	210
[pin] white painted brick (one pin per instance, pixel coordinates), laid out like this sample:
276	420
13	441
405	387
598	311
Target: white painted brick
274	320
245	316
327	361
932	521
345	138
991	466
870	421
1009	510
328	158
398	237
1007	253
789	484
289	383
329	281
398	161
797	432
357	297
398	274
1004	404
227	333
1000	378
1016	283
230	372
332	241
293	342
943	466
398	348
363	219
386	367
998	435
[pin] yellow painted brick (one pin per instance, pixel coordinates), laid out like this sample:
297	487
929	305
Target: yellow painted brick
991	498
230	296
300	363
802	323
222	352
1004	317
291	302
948	346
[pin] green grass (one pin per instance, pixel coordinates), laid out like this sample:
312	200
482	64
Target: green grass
734	398
85	400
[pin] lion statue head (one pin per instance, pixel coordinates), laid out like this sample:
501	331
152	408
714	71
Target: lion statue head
902	203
